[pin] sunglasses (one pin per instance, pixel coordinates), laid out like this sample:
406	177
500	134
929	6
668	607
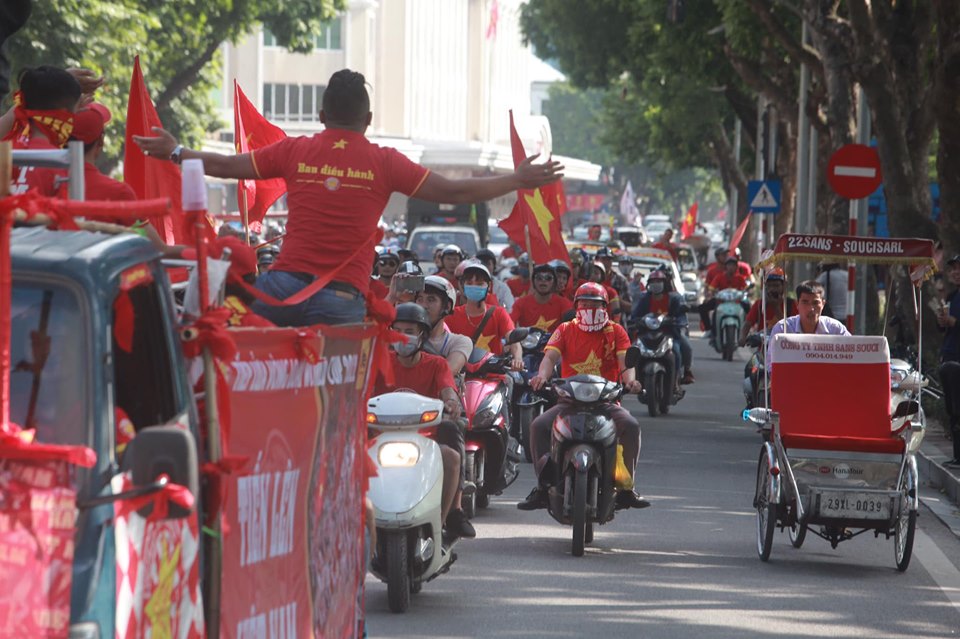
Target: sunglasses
543	278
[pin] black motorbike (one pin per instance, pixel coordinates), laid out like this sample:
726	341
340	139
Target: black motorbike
528	403
657	368
583	454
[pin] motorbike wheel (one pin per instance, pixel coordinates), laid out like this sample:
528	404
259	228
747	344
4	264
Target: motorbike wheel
664	396
906	526
469	502
483	499
766	512
588	534
729	342
398	571
652	384
579	513
525	417
797	533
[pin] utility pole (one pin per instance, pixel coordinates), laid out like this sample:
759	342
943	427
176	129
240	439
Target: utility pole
804	214
733	219
860	211
760	164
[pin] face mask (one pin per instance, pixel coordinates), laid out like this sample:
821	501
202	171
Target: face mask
591	319
474	293
407	348
656	288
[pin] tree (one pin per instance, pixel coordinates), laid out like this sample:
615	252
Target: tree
177	43
947	105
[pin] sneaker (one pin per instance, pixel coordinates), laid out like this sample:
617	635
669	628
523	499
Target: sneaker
687	377
535	500
630	499
458	524
953	463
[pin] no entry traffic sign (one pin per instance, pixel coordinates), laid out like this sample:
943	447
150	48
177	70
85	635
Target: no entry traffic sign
854	171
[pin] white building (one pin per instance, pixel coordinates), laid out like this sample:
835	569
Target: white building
444	74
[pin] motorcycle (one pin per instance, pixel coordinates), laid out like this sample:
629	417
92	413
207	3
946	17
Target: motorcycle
657	368
907	384
728	319
406	494
754	379
583	454
528	403
492	457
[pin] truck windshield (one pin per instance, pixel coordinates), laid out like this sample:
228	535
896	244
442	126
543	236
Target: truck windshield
49	363
424	242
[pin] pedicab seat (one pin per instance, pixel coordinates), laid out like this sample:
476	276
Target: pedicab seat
832	392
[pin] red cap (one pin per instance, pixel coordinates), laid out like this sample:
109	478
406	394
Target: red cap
243	259
88	122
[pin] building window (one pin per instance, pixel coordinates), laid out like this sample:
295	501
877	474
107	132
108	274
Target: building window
292	102
330	36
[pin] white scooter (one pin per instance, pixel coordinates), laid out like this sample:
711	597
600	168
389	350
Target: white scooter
406	494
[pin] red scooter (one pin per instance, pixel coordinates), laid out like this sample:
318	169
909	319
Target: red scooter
492	454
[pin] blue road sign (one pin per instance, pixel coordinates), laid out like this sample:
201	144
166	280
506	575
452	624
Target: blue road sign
763	196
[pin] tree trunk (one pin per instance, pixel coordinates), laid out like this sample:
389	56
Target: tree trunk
948	121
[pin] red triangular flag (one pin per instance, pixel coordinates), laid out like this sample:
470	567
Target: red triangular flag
150	177
538	210
253	131
741	229
689	225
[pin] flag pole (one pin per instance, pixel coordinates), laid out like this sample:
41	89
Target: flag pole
526	237
246	216
6	286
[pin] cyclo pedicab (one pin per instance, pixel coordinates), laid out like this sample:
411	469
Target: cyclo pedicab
837	459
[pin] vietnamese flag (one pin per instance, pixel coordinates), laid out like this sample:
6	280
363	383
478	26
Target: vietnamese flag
150	177
537	211
253	131
689	226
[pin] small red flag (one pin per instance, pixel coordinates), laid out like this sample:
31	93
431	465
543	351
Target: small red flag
150	177
253	131
738	234
539	211
689	226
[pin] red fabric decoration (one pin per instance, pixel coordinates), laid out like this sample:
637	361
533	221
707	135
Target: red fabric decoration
218	495
161	500
55	124
17	443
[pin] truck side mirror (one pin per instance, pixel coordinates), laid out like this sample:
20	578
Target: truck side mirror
159	450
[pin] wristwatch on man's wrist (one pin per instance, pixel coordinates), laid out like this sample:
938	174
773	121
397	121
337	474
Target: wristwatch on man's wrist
177	154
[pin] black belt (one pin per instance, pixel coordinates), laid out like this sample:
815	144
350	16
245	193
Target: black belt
309	278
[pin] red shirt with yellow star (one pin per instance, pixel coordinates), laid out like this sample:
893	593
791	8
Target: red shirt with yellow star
498	326
338	183
583	353
518	286
528	312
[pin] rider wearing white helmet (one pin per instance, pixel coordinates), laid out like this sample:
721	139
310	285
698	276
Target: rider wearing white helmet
439	298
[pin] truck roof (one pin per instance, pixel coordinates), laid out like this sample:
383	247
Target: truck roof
77	254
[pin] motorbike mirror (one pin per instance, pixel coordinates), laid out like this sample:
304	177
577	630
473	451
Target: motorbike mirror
568	316
905	409
517	335
632	358
754	340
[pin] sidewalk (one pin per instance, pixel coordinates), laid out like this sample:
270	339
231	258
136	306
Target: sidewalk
944	497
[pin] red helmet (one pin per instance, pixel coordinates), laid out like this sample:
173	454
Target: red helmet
591	291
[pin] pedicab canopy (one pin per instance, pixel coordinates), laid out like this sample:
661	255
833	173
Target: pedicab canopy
913	252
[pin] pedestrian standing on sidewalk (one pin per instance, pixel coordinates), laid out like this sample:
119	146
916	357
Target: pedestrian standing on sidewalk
948	318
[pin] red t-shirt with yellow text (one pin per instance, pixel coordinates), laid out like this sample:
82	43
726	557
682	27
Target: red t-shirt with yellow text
497	327
338	183
583	353
528	312
30	178
428	377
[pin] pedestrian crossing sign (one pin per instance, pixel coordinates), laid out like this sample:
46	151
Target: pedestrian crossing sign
763	196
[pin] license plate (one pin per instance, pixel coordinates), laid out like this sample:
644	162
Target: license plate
855	505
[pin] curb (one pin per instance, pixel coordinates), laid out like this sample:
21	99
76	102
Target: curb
936	475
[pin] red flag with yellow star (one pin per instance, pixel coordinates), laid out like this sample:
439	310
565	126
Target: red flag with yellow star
689	226
253	131
539	211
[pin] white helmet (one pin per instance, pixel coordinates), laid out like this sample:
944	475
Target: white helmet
442	285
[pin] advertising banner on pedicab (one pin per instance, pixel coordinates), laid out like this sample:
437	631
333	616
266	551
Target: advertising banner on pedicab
913	252
293	539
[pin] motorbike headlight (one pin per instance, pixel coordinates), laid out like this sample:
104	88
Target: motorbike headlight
652	322
897	375
398	454
531	341
488	411
586	392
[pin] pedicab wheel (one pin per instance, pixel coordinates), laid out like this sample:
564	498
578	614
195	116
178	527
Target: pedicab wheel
398	572
579	513
469	502
906	526
766	512
588	534
797	533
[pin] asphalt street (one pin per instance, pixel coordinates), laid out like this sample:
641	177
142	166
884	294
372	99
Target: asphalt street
687	566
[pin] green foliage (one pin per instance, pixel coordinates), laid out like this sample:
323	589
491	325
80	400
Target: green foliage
576	123
178	43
